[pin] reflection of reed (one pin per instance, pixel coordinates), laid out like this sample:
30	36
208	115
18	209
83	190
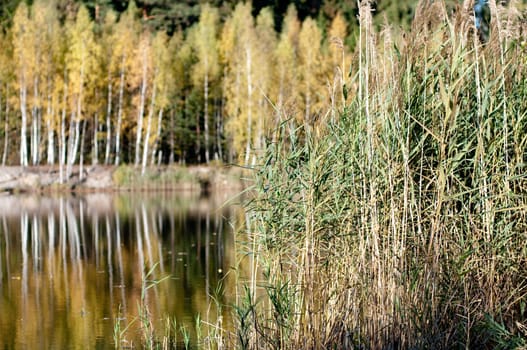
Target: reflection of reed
67	269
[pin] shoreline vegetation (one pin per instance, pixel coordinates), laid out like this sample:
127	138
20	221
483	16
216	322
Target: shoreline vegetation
399	220
389	208
46	179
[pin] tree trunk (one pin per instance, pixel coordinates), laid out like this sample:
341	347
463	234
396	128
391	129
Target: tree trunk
95	157
6	131
206	116
172	141
34	125
23	131
81	161
51	146
198	139
119	114
219	129
108	124
49	128
62	138
141	112
249	107
158	135
71	142
148	129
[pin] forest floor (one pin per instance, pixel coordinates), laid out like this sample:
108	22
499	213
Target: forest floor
45	178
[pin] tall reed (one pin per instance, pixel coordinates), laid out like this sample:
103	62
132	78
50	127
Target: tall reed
402	223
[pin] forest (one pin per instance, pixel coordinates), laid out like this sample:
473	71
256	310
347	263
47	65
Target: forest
112	82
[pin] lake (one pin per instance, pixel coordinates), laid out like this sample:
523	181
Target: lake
86	271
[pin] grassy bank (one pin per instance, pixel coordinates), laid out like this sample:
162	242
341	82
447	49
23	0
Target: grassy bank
400	220
198	178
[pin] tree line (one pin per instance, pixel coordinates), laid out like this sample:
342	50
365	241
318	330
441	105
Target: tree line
78	91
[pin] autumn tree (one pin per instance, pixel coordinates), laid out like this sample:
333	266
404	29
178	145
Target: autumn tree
47	31
123	56
312	83
286	71
263	75
140	80
109	63
206	68
183	129
338	57
80	64
22	55
238	44
6	77
161	83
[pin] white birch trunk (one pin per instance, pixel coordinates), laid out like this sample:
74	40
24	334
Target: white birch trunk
71	141
34	122
141	111
23	128
95	157
148	130
219	129
81	161
158	135
206	114
49	128
6	131
51	146
119	114
249	106
172	141
62	138
76	118
108	124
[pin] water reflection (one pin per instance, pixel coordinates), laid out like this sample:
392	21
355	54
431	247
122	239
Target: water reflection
69	266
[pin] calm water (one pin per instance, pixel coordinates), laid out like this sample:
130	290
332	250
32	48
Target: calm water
73	267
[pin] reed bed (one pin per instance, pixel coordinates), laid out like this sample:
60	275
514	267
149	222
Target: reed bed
399	220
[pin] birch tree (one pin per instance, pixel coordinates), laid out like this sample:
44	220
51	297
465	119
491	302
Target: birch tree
238	49
312	83
158	91
206	68
286	71
263	73
338	58
6	77
22	55
80	63
46	24
108	43
142	76
123	50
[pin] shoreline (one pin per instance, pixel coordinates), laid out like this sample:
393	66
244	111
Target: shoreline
124	178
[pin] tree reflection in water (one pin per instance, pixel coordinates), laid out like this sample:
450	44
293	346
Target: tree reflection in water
69	266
